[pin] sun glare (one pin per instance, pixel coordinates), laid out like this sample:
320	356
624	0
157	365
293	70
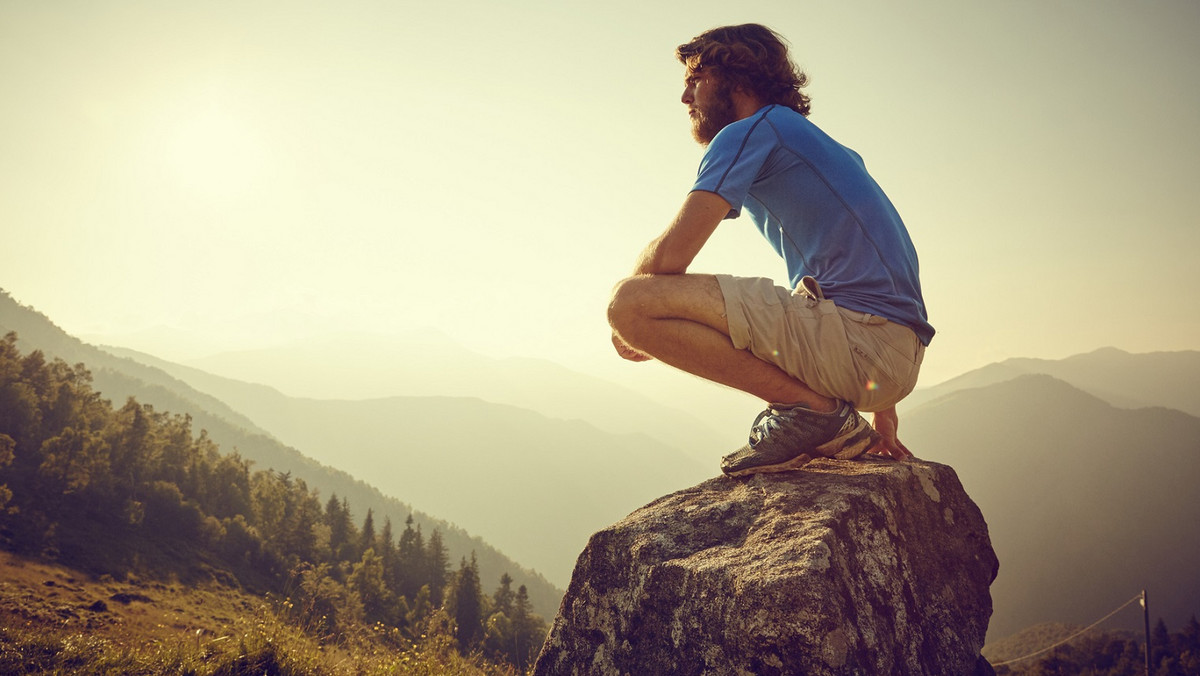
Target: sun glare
212	154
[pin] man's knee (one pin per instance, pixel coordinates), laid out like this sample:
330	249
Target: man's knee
693	297
628	301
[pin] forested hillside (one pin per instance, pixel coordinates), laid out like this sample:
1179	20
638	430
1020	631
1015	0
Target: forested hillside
116	491
1097	653
118	379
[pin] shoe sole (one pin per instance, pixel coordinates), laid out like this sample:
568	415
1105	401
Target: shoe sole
793	464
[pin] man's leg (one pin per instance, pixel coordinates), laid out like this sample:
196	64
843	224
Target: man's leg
680	320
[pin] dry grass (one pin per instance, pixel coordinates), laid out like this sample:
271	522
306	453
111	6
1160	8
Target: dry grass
57	621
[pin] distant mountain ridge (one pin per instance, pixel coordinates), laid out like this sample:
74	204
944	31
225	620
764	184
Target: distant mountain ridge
118	378
362	366
1086	503
547	483
1120	378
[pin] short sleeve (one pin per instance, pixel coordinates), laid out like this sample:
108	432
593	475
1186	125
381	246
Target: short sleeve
734	159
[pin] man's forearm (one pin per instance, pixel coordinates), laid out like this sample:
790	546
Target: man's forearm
673	251
654	260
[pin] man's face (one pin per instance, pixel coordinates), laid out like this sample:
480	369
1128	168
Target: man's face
709	103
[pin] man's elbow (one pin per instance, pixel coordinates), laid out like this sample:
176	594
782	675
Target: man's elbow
673	265
661	259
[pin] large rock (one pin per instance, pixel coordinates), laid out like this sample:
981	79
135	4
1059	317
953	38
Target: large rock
872	567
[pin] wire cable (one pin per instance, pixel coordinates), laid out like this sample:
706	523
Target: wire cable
1072	636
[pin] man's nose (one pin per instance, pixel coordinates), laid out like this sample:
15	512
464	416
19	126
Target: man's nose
688	96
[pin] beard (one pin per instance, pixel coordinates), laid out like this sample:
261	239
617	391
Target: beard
714	117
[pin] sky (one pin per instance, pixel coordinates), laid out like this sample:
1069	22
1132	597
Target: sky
185	177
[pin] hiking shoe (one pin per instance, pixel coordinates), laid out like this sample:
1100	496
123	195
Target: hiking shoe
785	438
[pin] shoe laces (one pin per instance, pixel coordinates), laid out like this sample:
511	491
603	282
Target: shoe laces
772	419
765	422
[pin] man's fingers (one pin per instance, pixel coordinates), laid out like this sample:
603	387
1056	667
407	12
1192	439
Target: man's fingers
898	450
886	423
890	448
627	352
630	353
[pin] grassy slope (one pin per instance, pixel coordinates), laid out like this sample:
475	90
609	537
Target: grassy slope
57	620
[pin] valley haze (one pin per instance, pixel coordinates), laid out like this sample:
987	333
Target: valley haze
1083	464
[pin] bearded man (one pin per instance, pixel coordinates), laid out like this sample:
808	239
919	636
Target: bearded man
849	332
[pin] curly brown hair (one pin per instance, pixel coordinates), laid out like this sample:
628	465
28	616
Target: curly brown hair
750	56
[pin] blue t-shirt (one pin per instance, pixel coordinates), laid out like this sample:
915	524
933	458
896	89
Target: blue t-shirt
814	201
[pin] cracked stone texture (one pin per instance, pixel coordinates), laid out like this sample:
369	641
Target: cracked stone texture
843	567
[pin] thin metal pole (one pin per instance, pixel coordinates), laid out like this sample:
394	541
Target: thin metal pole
1146	617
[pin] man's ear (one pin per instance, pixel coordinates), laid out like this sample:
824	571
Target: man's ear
744	98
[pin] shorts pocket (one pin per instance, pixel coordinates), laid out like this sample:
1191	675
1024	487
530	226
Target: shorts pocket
886	371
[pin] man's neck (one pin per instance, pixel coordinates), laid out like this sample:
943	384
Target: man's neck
745	105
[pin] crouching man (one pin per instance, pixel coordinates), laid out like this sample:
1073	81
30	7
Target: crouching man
847	334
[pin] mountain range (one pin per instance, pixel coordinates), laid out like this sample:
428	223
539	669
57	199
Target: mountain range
426	363
533	485
1085	468
1087	503
1122	379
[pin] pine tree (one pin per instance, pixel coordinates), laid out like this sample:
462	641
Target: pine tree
528	629
498	630
366	580
301	516
410	570
131	450
502	600
341	530
437	566
387	554
366	539
465	603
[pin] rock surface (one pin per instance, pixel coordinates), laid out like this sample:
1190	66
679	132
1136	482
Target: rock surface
868	567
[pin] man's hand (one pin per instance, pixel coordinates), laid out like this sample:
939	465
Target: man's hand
885	424
627	352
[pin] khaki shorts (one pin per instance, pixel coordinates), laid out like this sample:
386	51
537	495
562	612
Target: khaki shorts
853	356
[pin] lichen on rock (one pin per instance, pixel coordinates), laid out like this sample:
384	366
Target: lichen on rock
843	567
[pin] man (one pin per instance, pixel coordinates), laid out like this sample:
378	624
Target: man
849	333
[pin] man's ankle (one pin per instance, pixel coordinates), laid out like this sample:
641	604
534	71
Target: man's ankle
823	405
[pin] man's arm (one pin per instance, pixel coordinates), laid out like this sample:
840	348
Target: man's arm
673	251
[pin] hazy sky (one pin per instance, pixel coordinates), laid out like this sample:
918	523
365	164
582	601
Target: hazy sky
246	172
